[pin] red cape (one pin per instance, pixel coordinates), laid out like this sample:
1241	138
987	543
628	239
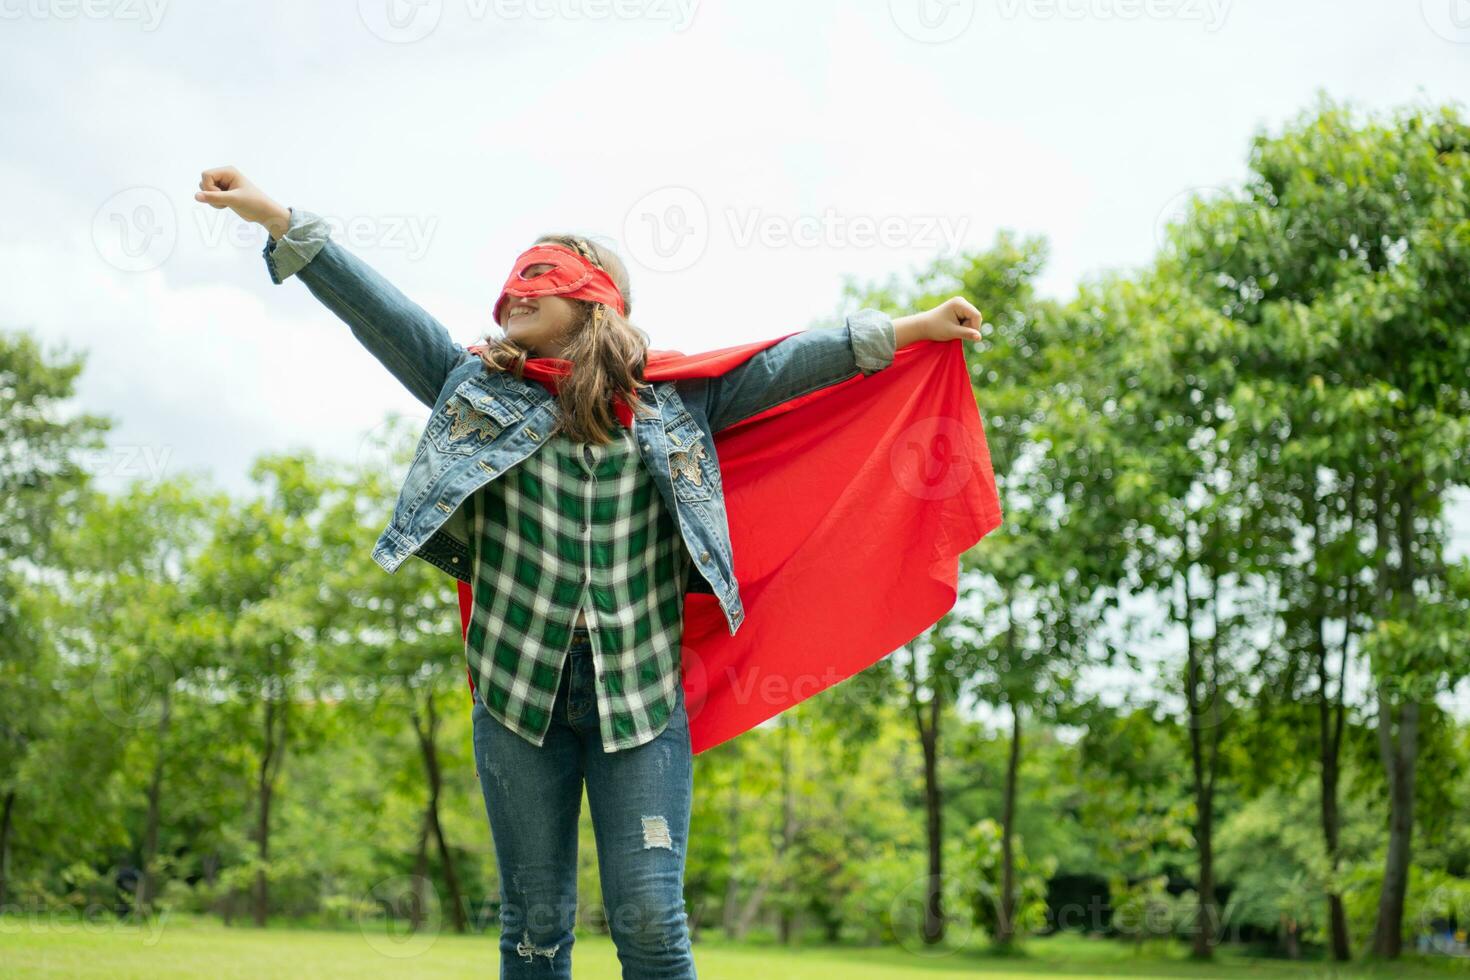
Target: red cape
848	508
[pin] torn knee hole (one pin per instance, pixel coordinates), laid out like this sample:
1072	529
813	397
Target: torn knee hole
656	833
530	950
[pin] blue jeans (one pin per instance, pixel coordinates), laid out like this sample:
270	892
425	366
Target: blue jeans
639	799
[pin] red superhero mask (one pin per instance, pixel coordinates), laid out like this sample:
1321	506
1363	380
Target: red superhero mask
570	275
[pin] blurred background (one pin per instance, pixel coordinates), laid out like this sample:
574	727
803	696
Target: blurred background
1203	705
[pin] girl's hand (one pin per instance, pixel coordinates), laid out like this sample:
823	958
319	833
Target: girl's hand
226	187
954	319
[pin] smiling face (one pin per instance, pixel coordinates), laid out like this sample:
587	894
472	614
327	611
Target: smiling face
539	323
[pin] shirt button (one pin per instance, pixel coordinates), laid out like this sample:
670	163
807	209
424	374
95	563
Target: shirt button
704	556
586	476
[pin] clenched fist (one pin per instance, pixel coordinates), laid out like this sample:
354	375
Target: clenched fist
954	319
226	187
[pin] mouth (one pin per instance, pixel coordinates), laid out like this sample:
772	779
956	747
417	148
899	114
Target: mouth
519	312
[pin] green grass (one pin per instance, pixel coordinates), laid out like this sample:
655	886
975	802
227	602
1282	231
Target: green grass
184	946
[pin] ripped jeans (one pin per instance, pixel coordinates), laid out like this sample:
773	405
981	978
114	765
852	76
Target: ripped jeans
640	800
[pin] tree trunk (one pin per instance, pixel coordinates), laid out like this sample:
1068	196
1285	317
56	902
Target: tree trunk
428	741
1398	745
1204	934
1005	932
1204	718
933	931
418	906
1400	751
6	817
276	720
729	918
928	731
146	890
1291	938
1331	715
788	824
752	907
1330	727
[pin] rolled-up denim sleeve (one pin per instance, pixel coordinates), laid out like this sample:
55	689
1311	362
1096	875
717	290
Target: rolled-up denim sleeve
873	340
305	235
800	364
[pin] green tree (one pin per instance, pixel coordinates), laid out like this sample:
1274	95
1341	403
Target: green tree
397	639
264	572
1341	268
146	633
42	481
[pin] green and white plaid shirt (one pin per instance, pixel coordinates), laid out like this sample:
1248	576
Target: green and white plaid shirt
573	527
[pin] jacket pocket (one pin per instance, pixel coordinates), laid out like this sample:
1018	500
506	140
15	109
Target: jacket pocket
471	418
692	468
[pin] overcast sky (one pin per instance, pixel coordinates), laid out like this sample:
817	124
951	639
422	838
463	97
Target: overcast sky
743	157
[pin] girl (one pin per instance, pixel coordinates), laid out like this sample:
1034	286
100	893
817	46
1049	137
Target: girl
580	503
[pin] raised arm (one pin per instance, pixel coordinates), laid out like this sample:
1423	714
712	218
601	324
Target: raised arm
414	347
797	365
813	359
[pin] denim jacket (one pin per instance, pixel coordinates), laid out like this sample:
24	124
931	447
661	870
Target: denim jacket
482	423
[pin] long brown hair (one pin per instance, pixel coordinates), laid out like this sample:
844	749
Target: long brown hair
606	350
